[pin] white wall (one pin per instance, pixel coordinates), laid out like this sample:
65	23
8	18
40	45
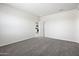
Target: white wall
77	26
61	25
15	25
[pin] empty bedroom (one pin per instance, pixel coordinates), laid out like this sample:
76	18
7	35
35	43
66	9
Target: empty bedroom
39	29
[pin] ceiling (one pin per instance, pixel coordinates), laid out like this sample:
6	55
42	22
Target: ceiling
42	9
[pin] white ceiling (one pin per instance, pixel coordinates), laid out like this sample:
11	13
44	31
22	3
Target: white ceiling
42	9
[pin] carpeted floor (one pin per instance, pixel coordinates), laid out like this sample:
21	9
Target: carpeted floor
41	47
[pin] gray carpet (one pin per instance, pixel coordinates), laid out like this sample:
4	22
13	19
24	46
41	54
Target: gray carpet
41	47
